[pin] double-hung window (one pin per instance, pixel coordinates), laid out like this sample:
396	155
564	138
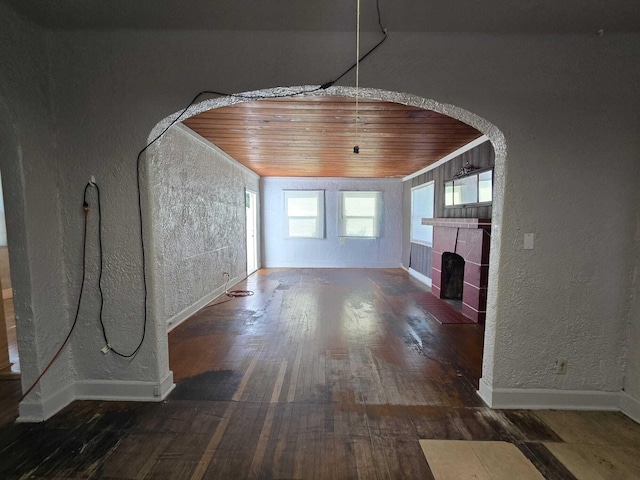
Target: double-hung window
360	214
422	200
304	213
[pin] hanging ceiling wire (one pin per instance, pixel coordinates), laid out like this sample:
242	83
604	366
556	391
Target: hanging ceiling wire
356	148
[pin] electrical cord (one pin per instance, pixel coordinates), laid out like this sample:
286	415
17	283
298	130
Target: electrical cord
231	294
235	293
383	30
108	346
85	207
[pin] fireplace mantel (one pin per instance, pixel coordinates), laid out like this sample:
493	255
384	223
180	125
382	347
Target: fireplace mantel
458	222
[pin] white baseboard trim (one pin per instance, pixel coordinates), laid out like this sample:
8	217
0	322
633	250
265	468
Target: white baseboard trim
419	276
332	265
548	399
539	399
630	406
129	391
31	412
181	316
485	392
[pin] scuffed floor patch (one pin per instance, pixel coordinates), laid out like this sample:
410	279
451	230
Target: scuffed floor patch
218	385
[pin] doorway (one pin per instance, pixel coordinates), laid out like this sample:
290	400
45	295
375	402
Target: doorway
252	228
9	358
496	137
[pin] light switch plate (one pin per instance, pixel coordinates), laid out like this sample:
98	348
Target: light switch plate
528	241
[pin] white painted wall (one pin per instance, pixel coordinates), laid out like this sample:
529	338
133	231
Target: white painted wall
31	178
77	103
3	226
632	371
198	217
331	251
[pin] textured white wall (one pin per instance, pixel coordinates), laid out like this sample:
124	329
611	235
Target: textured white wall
31	179
3	226
632	372
567	106
198	213
331	251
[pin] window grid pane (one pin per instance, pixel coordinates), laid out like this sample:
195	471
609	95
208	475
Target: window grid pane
422	206
485	186
359	206
303	207
302	227
359	214
304	213
448	193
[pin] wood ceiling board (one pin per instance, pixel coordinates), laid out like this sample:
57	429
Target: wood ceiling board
315	136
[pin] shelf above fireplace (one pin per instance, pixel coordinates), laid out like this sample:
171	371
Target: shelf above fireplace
458	222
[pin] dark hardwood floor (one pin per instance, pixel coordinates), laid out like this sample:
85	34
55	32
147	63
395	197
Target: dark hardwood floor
320	374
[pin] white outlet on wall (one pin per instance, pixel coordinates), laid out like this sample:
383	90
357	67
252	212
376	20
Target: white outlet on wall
561	367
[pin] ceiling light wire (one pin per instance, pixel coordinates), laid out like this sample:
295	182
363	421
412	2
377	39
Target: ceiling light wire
356	149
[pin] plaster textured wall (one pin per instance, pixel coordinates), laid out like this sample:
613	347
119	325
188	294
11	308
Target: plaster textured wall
632	373
31	180
330	251
567	106
198	213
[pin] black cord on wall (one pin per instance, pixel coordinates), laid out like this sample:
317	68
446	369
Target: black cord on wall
108	347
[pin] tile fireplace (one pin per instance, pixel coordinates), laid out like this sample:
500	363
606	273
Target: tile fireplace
468	238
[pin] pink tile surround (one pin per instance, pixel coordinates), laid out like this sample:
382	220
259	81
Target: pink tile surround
469	238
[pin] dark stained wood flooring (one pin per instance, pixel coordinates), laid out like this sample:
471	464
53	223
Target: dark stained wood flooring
330	374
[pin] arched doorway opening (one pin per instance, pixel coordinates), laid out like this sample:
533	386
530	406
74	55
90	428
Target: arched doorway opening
490	131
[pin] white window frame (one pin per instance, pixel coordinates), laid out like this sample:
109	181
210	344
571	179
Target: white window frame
419	231
319	217
342	218
474	177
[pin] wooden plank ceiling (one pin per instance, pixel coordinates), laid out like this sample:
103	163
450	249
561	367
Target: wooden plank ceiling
315	136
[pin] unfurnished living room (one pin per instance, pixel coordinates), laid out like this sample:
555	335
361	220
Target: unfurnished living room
339	239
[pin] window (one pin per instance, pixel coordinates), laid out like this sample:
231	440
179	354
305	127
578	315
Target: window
304	213
360	214
472	189
422	207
